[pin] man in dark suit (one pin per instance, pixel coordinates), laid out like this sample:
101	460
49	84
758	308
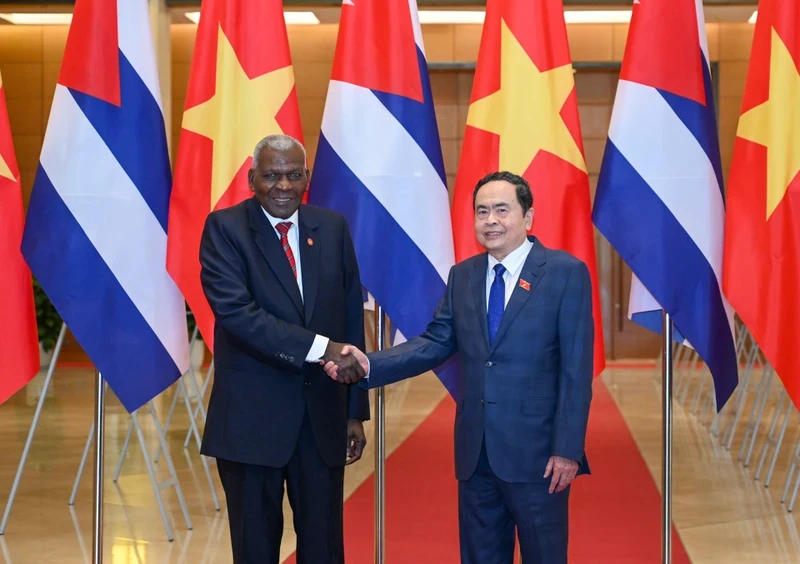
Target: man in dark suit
520	316
283	283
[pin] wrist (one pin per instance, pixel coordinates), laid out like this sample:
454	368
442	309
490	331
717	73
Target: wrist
319	349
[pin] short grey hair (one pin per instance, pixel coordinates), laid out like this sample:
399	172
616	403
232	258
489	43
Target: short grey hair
277	142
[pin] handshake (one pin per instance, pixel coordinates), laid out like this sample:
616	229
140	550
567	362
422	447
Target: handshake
344	363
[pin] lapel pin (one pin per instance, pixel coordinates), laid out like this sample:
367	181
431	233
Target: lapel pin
310	241
525	285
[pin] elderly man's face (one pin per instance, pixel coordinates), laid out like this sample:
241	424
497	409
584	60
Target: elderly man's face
279	181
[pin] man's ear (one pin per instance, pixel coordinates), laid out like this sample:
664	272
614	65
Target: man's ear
250	179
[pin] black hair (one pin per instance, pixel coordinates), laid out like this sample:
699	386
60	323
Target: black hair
524	194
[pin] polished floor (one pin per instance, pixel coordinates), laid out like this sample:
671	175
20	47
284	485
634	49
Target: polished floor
721	512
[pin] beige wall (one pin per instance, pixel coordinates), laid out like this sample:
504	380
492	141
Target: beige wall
30	57
29	61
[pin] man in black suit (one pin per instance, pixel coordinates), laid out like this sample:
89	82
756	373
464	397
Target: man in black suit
283	283
520	315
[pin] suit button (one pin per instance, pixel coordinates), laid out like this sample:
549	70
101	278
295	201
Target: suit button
481	401
489	364
308	383
291	359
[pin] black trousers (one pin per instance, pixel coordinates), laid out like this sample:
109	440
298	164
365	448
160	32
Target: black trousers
254	496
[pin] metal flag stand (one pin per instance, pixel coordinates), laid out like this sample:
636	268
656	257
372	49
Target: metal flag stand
158	487
171	481
97	510
380	447
200	409
193	430
32	430
666	460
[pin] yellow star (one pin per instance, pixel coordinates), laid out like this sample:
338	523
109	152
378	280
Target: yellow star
5	170
241	112
776	123
525	112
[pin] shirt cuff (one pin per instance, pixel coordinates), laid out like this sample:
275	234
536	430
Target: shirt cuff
317	348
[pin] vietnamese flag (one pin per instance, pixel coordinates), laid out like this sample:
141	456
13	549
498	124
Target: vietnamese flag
19	340
241	89
523	118
761	261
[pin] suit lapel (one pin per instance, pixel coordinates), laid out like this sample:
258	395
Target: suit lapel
309	255
269	244
478	283
532	272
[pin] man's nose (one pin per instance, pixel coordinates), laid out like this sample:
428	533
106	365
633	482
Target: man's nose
283	183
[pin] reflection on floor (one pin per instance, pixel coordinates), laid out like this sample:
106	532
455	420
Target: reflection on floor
720	511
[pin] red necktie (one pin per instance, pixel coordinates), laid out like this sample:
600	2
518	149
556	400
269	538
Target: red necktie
283	229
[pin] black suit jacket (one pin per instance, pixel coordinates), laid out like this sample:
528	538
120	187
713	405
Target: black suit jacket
526	394
264	329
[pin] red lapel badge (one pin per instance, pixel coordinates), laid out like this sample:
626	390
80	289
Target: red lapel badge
525	285
310	241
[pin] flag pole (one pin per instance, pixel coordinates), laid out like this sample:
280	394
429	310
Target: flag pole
97	514
380	446
666	460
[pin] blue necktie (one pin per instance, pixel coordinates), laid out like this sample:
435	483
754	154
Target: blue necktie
497	301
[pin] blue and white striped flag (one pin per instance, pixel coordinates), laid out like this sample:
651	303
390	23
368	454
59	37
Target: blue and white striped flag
379	162
659	197
95	236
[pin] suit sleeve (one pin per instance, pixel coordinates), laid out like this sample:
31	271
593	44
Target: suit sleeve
224	279
420	354
358	398
576	342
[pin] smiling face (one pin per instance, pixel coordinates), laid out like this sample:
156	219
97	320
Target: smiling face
501	225
279	180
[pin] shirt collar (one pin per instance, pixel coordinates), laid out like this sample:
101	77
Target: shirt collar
515	259
276	220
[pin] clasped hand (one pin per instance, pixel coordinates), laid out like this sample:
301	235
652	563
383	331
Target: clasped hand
344	363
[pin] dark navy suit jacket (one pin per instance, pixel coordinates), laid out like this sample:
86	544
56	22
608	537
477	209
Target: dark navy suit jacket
264	329
528	393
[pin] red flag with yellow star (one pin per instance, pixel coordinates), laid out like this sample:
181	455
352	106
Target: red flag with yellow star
761	260
19	341
523	118
241	89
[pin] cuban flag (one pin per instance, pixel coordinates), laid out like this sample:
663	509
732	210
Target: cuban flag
379	162
96	230
659	198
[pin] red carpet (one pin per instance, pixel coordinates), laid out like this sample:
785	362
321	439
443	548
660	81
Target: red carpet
615	514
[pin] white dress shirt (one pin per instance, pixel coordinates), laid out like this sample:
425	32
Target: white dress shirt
513	263
320	343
